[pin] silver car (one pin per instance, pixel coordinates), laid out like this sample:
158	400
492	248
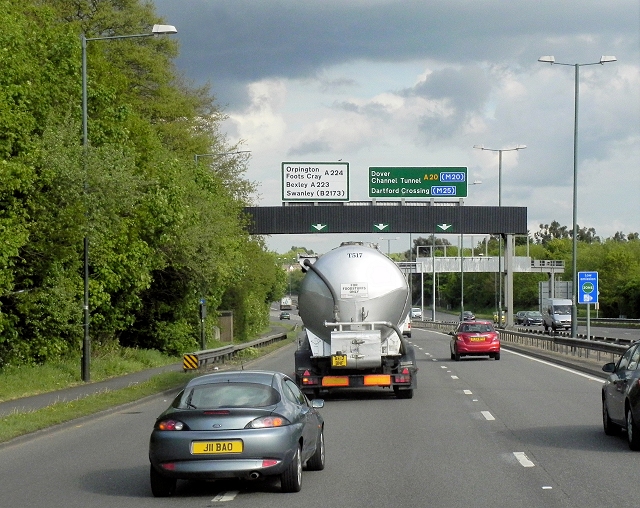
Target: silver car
237	424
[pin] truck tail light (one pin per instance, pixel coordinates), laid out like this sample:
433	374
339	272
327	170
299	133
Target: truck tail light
403	377
307	379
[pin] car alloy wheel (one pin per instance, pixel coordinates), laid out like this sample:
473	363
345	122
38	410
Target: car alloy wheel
633	432
291	478
316	462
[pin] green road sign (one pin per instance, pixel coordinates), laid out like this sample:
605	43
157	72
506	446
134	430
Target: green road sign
445	228
319	228
381	227
418	182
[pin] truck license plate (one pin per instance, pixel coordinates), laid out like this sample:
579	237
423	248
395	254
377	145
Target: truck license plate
339	361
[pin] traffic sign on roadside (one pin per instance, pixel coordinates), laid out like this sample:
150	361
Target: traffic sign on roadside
587	287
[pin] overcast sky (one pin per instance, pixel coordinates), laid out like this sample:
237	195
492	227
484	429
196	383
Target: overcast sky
419	83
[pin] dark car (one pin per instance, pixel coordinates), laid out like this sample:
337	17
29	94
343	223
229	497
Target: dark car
285	315
475	338
467	315
237	424
621	397
519	317
531	318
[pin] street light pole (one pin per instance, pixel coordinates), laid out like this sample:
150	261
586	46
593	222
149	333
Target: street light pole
574	255
500	150
389	243
86	341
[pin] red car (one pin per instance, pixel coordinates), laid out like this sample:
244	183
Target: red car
475	338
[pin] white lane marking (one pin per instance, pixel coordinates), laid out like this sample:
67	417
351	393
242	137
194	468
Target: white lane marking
454	377
523	459
443	367
487	415
467	392
225	496
546	487
592	378
434	359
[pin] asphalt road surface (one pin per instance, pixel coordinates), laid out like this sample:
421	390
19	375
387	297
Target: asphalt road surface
478	433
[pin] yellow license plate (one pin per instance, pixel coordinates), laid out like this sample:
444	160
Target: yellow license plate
339	361
477	339
215	447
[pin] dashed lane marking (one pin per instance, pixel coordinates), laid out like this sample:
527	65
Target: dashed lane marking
225	496
523	459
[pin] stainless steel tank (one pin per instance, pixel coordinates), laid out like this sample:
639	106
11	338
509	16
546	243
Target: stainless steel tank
368	286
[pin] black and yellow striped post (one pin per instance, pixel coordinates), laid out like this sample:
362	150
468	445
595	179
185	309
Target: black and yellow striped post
190	362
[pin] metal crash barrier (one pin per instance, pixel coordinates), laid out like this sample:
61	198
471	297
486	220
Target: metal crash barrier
593	347
207	358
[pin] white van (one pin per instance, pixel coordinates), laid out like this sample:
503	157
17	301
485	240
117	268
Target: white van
556	314
406	327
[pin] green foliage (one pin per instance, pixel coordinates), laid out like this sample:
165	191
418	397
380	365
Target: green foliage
617	261
162	232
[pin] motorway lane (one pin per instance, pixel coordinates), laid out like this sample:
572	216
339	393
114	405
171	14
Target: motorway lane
437	449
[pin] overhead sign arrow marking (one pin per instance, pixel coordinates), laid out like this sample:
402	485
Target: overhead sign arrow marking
318	227
381	226
444	226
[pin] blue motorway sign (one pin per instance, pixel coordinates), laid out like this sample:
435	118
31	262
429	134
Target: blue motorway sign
587	287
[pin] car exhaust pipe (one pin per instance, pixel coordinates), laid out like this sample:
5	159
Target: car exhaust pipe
254	475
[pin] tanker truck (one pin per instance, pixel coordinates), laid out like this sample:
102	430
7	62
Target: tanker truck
353	300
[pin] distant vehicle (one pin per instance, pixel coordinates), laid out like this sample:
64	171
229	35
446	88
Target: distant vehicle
556	313
285	315
467	315
237	424
531	318
621	397
519	317
286	303
416	313
475	338
406	327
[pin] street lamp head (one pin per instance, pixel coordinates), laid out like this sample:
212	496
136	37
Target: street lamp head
477	182
604	59
479	147
548	59
163	29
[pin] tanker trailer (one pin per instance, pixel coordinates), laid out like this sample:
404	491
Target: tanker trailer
353	301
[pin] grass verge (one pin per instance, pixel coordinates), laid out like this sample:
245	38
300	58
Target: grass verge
17	424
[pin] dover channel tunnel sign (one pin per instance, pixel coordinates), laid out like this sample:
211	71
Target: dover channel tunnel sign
417	182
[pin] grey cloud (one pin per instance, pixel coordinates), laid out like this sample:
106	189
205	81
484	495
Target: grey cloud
310	147
232	42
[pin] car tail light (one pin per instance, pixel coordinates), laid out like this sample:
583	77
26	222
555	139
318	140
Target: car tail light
270	462
171	425
265	422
